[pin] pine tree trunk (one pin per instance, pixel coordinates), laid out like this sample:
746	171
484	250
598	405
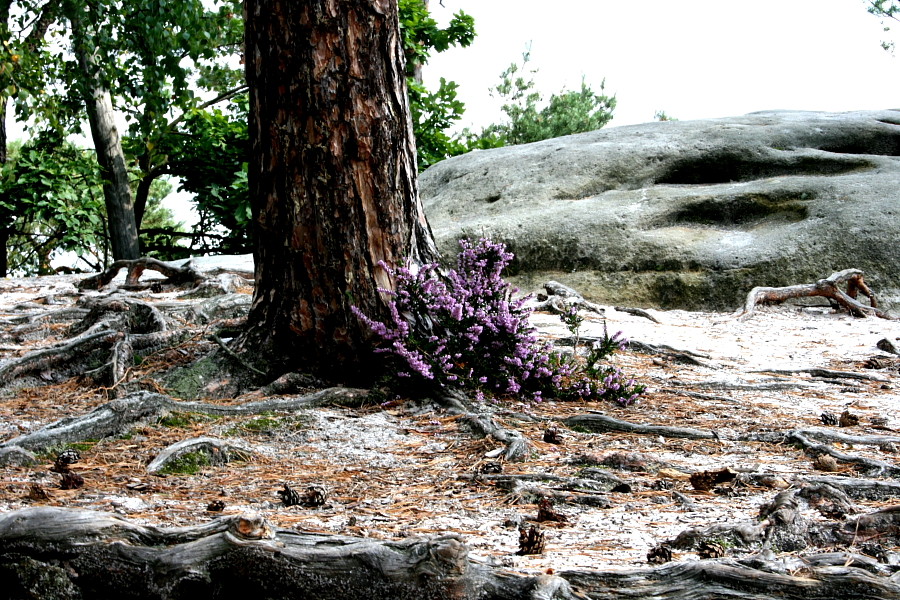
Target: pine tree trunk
332	178
107	144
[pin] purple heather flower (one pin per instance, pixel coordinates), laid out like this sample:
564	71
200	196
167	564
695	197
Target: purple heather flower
467	328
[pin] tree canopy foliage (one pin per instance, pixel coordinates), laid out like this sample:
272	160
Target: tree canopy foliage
172	71
51	201
887	9
165	65
530	119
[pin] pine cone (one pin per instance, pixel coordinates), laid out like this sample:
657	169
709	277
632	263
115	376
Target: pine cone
888	346
710	549
64	460
547	513
71	481
553	436
289	496
491	467
659	555
315	495
825	462
829	418
848	419
875	550
707	480
531	541
36	492
877	362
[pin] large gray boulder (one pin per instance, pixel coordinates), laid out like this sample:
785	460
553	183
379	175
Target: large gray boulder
686	214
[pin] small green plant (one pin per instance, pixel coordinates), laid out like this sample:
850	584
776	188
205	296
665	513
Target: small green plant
51	452
573	320
83	446
268	423
595	379
181	420
262	423
661	115
189	463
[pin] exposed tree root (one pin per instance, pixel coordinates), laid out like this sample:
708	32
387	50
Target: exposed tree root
176	276
483	424
884	442
112	330
781	526
828	374
46	358
76	553
599	423
216	451
118	416
854	487
737	580
826	288
685	357
97	555
871	466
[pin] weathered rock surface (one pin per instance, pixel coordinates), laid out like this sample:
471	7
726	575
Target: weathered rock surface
686	214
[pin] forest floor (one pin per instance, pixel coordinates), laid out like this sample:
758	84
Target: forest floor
399	469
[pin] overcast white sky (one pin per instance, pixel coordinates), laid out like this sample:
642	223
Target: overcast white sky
690	58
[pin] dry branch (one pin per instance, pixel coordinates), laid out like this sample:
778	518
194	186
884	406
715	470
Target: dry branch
824	288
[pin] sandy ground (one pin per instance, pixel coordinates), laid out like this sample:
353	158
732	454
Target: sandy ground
394	471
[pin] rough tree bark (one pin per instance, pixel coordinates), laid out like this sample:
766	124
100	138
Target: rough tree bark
107	144
332	179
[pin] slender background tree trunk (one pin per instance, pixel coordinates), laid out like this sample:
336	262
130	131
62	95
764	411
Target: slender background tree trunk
116	189
332	178
4	219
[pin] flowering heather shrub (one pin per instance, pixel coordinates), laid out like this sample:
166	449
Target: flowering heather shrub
466	330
